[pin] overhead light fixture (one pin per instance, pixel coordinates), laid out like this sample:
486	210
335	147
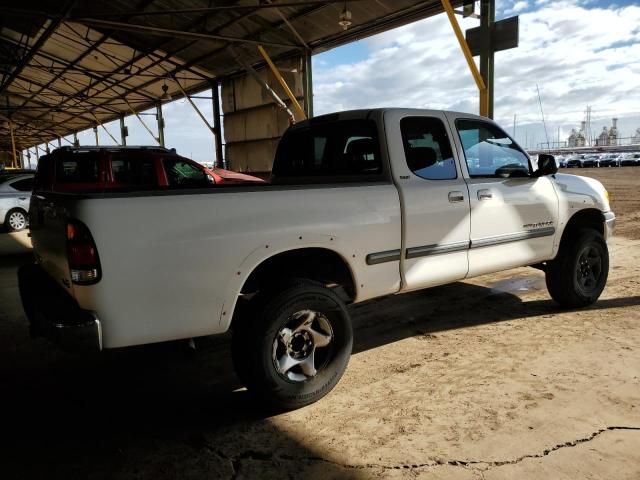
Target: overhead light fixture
345	18
165	93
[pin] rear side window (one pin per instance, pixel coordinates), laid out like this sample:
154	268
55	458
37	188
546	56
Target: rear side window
134	172
83	168
181	173
341	148
24	185
427	148
44	173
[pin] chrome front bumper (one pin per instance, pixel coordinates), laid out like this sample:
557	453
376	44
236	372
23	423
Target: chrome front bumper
609	224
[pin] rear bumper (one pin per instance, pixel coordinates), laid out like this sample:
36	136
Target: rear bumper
54	314
609	224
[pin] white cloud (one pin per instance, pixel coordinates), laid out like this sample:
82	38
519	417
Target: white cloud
518	7
578	56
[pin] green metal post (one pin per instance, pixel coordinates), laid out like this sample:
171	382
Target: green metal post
217	127
487	19
160	124
308	85
123	131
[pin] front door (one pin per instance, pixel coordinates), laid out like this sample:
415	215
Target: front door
513	214
434	198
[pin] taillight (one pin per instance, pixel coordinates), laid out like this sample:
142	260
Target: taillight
82	254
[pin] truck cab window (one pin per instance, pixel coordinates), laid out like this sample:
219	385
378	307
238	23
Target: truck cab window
184	174
344	148
134	171
490	152
427	148
78	169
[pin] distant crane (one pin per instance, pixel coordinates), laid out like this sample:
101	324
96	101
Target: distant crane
544	124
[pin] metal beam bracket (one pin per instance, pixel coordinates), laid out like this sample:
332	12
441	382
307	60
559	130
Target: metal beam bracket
482	87
282	82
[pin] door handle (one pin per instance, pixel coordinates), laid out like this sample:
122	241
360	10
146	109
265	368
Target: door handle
455	197
484	194
22	198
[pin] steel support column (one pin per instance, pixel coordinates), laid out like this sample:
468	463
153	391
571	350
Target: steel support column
13	146
124	131
217	125
308	85
95	132
160	119
487	19
76	143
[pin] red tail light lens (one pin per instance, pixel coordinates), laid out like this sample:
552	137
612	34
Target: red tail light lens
82	254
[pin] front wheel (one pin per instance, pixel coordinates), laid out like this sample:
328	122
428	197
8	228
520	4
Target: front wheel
294	347
16	220
578	275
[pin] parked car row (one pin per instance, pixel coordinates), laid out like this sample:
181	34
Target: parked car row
95	168
631	159
80	169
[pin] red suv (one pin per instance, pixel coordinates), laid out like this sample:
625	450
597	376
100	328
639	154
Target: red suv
96	168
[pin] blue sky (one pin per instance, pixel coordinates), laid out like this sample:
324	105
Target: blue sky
579	53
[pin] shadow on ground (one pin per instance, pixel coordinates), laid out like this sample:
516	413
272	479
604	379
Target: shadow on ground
163	412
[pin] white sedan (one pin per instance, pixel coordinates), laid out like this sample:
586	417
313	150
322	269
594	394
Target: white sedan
15	196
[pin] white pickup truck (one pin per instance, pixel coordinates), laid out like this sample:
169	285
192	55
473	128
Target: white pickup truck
360	204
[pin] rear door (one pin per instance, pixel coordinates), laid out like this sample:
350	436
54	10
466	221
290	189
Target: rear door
513	214
434	199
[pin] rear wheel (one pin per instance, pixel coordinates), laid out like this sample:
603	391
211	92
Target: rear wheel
578	275
294	347
16	220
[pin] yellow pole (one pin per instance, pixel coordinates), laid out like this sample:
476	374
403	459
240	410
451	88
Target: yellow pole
484	98
283	83
13	146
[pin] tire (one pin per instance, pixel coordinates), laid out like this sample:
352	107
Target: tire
294	345
579	273
16	220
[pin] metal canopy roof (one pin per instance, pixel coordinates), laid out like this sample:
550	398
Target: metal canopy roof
67	65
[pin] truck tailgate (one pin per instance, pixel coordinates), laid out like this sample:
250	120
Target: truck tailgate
48	223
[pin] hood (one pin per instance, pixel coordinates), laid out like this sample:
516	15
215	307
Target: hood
229	176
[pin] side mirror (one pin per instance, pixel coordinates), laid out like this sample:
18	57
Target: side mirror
546	165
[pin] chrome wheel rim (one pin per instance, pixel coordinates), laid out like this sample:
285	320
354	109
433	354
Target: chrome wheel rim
302	347
17	221
589	269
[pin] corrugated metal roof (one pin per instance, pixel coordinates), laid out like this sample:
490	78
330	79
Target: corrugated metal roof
68	65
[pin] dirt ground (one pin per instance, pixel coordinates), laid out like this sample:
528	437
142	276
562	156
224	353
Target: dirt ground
482	379
623	185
